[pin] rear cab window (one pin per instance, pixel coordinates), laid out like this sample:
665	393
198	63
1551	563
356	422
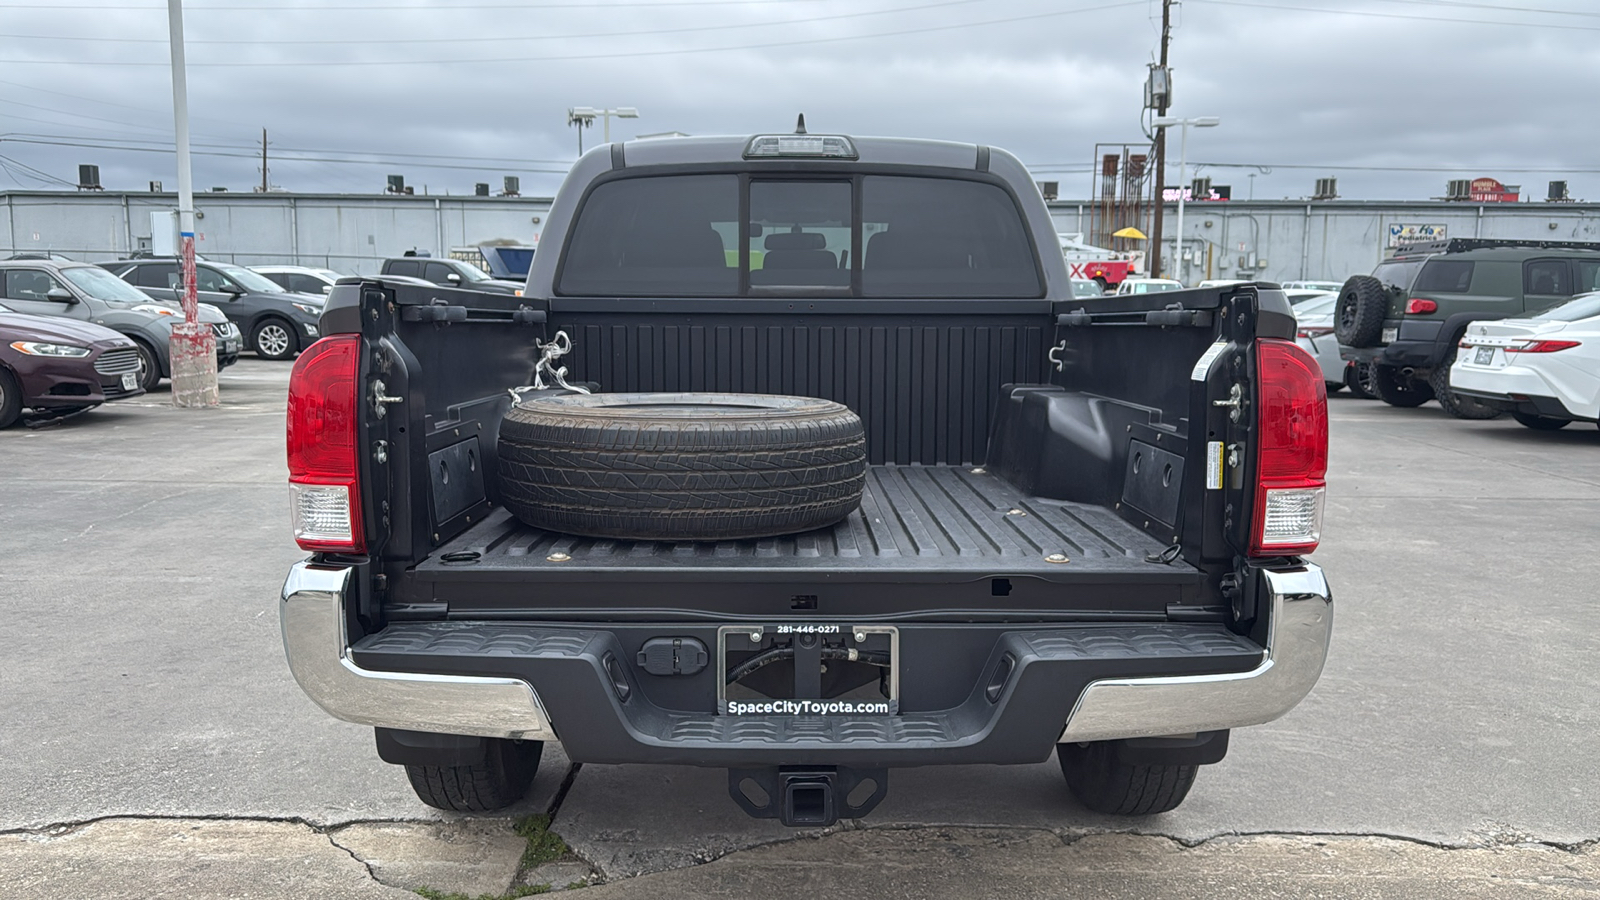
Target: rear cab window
1397	274
1445	276
854	235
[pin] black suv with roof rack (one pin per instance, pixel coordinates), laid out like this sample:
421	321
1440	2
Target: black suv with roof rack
1406	318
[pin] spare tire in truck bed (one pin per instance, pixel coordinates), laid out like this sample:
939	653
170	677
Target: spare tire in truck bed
690	467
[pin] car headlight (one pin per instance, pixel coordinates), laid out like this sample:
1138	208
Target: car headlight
158	309
35	348
308	309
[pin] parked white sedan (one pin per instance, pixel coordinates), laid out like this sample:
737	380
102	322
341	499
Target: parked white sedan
1545	370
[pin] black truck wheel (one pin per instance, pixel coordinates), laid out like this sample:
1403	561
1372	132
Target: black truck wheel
1540	423
500	780
1358	317
1453	403
1105	785
1399	389
681	466
1358	378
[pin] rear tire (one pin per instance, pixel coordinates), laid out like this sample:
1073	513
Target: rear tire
684	467
1453	403
500	780
1106	786
10	400
1358	316
1358	378
1540	423
1400	390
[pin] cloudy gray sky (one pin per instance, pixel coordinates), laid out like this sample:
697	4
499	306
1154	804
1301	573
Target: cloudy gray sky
1393	97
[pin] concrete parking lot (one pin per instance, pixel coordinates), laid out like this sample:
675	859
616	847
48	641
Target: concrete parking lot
152	741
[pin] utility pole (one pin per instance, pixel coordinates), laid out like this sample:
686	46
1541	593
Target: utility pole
263	160
1161	148
193	346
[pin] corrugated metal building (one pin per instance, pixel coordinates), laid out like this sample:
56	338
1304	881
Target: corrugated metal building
1274	240
345	232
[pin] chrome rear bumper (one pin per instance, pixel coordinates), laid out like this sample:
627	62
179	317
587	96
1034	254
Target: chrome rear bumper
1301	610
318	647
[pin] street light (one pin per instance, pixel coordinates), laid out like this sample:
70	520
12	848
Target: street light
584	116
1183	154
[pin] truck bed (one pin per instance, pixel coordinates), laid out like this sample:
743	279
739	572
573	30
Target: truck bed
916	524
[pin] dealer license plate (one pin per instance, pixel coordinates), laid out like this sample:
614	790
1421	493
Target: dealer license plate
1390	335
743	649
230	346
130	381
1485	356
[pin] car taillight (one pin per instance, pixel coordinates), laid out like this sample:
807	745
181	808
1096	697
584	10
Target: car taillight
324	474
1417	306
1542	346
1291	450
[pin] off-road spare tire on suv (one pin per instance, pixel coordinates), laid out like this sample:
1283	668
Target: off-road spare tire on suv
1358	316
681	466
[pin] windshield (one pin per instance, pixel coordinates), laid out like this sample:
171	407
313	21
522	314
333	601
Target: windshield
251	281
1316	306
1580	307
1086	289
102	285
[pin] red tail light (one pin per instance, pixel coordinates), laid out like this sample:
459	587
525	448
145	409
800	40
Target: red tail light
1542	346
324	471
1291	450
1417	306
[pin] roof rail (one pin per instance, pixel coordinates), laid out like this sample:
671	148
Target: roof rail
1461	245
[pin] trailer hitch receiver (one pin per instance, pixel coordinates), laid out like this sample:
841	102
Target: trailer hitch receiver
808	796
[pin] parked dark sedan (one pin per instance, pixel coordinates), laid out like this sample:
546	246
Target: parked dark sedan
62	366
276	323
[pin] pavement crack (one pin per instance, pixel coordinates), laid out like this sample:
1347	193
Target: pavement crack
371	872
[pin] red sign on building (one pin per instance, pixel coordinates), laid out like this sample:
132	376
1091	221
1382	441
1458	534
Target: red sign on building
1488	190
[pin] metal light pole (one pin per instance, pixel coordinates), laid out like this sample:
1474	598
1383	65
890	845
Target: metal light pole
193	347
1183	161
584	116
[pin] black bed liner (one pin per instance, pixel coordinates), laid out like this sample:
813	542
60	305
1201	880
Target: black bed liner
916	524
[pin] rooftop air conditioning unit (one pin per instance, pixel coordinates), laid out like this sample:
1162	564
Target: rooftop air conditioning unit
397	185
1200	189
89	178
513	186
1327	189
1558	192
481	189
1458	189
1049	189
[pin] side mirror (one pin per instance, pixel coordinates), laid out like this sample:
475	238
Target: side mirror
453	278
327	289
58	295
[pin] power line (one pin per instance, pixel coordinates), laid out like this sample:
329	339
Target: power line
35	137
1461	167
606	55
252	155
522	38
1383	15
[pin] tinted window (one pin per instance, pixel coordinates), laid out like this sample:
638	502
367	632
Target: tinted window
438	272
161	275
940	237
408	267
1448	276
281	279
1573	310
671	236
800	233
1397	275
1546	276
208	279
305	284
29	284
1587	272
